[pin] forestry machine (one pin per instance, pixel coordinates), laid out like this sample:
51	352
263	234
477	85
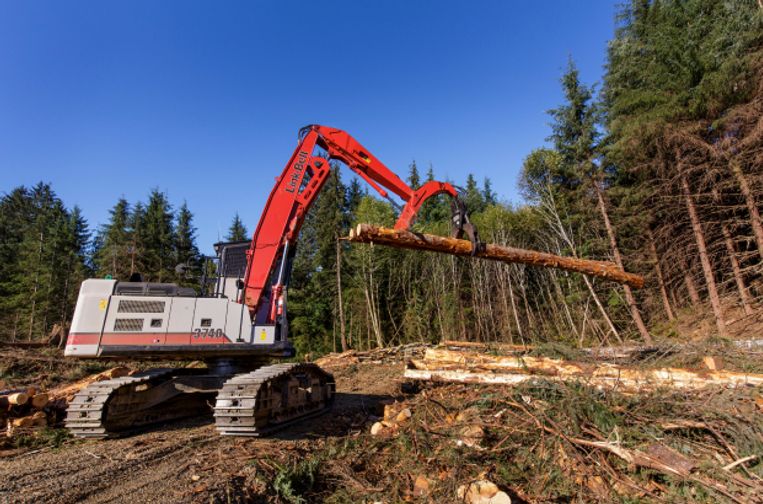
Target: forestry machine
238	327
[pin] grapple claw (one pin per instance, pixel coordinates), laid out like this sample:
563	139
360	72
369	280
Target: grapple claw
462	225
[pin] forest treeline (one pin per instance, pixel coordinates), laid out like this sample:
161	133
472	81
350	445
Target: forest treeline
657	168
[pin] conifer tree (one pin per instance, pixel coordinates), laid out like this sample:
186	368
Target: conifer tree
488	195
137	229
113	256
186	251
237	231
575	137
49	245
158	238
475	201
414	179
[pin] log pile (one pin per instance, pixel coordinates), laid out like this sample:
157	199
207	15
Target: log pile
400	238
24	410
470	367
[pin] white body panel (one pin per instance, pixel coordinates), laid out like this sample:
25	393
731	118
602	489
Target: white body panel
103	320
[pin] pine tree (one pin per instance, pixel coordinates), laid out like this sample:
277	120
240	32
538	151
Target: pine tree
237	231
113	253
487	192
137	232
414	180
355	194
158	238
186	251
475	202
575	137
49	245
71	248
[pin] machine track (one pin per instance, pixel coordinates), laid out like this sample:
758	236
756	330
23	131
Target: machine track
271	398
112	407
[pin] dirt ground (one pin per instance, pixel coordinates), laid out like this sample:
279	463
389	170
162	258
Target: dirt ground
188	461
539	442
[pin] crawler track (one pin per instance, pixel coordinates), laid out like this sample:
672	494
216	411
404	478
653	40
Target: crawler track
113	407
272	397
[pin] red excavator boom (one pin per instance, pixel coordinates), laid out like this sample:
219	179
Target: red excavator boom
297	188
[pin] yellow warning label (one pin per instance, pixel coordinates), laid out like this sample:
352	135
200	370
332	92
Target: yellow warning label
263	335
102	304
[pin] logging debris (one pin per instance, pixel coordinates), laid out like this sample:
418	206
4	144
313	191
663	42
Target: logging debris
384	355
400	238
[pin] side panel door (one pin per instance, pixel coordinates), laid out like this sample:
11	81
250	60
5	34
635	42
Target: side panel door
180	325
209	322
238	326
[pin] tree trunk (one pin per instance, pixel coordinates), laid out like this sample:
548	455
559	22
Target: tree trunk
660	277
549	206
707	268
34	290
736	270
398	238
340	301
629	298
752	207
731	248
602	311
691	287
514	308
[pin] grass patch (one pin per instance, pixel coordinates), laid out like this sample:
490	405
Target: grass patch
292	482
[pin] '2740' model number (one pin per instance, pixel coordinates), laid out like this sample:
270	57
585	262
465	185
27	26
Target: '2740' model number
208	332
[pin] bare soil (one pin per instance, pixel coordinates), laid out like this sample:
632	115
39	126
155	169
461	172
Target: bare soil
539	442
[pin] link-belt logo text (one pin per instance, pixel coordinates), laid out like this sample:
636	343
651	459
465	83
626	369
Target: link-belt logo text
299	166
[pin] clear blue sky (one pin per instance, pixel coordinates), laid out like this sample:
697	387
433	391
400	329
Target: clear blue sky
204	99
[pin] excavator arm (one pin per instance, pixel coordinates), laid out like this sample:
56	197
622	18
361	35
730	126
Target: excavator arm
297	188
146	320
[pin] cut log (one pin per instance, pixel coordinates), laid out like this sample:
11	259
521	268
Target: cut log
15	399
40	400
465	367
67	392
38	419
398	238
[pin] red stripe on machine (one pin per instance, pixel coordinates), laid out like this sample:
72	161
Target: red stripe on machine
143	339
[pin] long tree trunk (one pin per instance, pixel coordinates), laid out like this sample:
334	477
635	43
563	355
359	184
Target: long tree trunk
691	287
514	308
549	205
707	268
736	270
752	207
400	238
340	300
744	295
629	297
660	277
34	290
602	311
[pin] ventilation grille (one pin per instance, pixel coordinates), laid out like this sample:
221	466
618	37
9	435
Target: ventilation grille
134	306
128	324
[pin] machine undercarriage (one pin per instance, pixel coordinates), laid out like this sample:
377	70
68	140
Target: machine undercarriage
251	403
